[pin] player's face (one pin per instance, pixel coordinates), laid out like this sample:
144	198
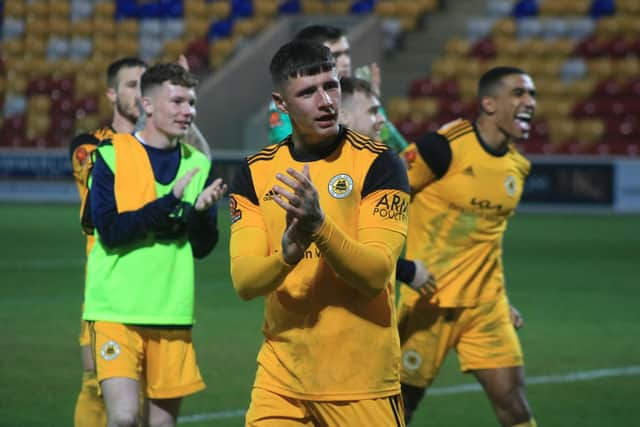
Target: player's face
363	114
127	92
515	104
341	53
171	108
312	103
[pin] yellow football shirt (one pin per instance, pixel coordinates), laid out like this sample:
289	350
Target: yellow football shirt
462	194
325	340
81	150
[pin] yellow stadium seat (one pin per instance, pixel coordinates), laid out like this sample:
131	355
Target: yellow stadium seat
608	26
127	46
87	123
85	85
423	108
627	68
561	47
507	47
37	25
39	104
127	27
107	27
59	26
104	46
313	7
196	27
37	9
219	10
246	27
561	130
220	51
60	8
505	27
104	9
82	28
16	82
600	68
589	131
386	8
428	5
582	89
339	7
265	8
468	89
398	108
173	48
195	8
37	125
14	9
457	46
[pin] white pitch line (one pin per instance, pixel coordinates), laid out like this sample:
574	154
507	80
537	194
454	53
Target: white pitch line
462	388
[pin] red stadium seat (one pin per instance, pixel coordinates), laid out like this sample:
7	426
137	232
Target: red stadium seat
483	49
422	87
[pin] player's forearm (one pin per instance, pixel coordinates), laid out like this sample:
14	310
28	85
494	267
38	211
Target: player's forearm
255	276
367	266
255	272
202	230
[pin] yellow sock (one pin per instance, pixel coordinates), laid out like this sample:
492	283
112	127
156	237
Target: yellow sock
90	410
530	423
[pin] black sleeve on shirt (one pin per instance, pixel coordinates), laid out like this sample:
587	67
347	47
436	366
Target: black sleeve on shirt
242	184
436	152
202	227
405	270
83	138
119	229
387	172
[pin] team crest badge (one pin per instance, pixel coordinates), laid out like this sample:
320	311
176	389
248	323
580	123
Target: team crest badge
236	214
411	360
340	186
510	185
110	350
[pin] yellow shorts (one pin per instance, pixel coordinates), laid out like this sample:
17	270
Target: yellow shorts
163	360
85	337
483	337
269	409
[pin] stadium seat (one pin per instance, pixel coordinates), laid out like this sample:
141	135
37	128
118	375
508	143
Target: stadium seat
525	8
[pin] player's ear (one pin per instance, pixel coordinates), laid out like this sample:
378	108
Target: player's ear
488	105
111	95
279	101
147	105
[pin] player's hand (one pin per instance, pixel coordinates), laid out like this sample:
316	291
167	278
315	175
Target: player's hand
300	200
210	195
181	184
182	61
376	78
294	241
516	317
423	281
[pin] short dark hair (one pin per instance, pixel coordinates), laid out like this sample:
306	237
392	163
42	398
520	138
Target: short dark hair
351	85
114	68
491	79
320	33
300	58
167	71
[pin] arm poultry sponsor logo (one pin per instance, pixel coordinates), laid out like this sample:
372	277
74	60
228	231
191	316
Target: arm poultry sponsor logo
393	207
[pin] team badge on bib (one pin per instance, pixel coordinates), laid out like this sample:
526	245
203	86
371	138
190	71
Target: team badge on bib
110	350
411	360
510	185
340	186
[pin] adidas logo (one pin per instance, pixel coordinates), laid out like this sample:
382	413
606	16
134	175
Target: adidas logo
268	196
468	171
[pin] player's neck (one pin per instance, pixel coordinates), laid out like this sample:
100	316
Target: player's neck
310	148
121	124
491	134
153	138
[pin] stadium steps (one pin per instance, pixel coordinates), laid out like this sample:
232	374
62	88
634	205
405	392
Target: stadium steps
421	47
